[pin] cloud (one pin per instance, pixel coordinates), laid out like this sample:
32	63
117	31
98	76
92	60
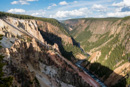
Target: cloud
49	7
78	9
53	5
14	2
118	14
38	13
82	12
99	7
16	10
122	9
122	4
63	3
22	2
75	1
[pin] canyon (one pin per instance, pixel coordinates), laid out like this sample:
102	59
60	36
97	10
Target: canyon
43	52
107	40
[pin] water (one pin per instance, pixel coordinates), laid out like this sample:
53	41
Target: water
86	71
89	73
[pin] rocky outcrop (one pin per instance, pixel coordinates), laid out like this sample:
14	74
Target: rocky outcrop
31	63
30	60
27	25
46	32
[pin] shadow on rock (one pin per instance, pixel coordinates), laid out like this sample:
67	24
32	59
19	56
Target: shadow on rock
105	74
51	39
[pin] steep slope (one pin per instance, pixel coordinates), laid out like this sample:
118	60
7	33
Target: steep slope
50	29
32	61
107	40
28	61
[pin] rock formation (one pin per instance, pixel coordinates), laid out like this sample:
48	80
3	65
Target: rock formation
31	61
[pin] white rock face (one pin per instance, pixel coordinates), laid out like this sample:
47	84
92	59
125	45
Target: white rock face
1	23
7	29
27	25
6	42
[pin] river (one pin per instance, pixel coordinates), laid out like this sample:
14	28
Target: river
78	64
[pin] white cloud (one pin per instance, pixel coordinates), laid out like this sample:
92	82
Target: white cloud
49	7
82	12
122	9
98	7
122	4
22	2
75	1
38	13
14	2
118	9
63	3
16	10
53	5
118	14
41	14
95	6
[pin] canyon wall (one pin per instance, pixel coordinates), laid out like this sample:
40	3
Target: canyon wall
107	40
31	61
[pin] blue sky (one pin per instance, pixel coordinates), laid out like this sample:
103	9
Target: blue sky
67	9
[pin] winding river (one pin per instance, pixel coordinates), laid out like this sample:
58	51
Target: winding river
78	64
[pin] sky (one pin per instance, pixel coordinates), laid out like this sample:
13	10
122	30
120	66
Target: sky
67	9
